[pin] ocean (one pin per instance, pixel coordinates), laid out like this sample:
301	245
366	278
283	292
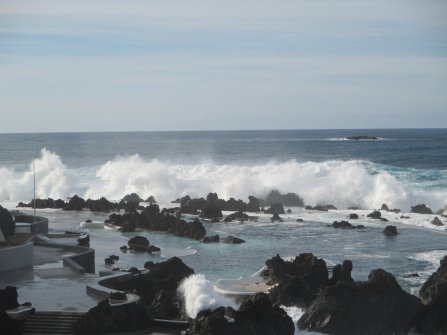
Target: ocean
402	168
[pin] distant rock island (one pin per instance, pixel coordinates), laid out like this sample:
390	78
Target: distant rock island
361	137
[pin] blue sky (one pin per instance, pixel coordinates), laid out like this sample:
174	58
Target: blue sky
173	65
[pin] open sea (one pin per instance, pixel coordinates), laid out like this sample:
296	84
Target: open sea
404	167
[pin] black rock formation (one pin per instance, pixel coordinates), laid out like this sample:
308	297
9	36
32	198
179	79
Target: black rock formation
390	231
421	209
233	240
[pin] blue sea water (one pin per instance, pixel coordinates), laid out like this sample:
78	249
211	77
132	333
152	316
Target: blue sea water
402	168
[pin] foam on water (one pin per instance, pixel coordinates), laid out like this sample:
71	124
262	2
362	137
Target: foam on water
199	295
342	183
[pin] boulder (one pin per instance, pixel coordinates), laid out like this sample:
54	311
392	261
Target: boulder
433	318
361	137
341	272
7	223
289	199
101	205
138	243
353	216
233	240
104	318
421	209
211	212
298	280
210	239
390	231
437	222
377	306
253	204
276	217
237	216
376	215
321	208
132	197
153	248
342	224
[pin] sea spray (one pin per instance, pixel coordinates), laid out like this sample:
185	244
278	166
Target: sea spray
341	183
199	295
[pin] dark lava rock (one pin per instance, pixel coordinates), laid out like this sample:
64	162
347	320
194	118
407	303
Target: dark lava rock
256	316
377	306
384	207
233	240
353	216
404	217
114	257
8	298
148	265
106	319
210	239
211	212
321	208
299	220
75	204
342	224
421	209
253	204
298	280
390	231
164	276
437	222
101	205
123	248
132	197
109	261
153	248
138	243
411	275
276	217
289	199
151	200
384	219
361	137
237	216
7	223
433	318
163	307
275	209
376	215
341	272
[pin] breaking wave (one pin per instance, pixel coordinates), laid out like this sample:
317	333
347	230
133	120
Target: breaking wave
341	183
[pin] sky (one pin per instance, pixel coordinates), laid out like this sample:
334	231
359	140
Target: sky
143	65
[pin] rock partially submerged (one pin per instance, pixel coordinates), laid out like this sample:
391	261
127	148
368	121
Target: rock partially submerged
276	208
321	208
345	225
377	306
233	240
421	209
210	239
437	222
361	137
289	199
237	216
390	231
376	215
256	315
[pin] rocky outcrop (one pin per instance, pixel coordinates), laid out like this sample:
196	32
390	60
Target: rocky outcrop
43	203
421	209
138	243
253	204
298	280
132	197
256	315
276	217
151	200
345	225
386	208
341	273
210	239
321	208
276	208
233	240
104	318
361	137
353	216
433	318
237	216
377	306
376	215
101	205
436	222
75	204
7	223
390	231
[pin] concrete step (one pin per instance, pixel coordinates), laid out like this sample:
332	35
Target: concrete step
51	323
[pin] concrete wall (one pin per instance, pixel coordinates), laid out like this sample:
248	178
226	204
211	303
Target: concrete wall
39	224
16	257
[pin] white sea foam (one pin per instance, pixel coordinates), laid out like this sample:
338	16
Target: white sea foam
341	183
199	295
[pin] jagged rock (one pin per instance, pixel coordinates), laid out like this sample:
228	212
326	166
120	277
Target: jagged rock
105	319
153	248
165	305
233	240
342	224
138	243
298	280
404	217
255	316
353	216
299	220
437	222
109	261
377	306
390	231
276	217
433	318
75	204
101	205
289	199
253	204
376	215
421	209
210	239
384	207
275	209
341	272
211	212
7	223
384	219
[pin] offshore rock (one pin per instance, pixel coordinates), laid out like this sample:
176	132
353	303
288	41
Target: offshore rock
298	280
7	223
75	204
321	208
132	197
138	243
353	216
390	231
376	215
276	217
377	306
437	222
101	205
421	209
276	208
361	137
210	239
237	216
289	199
233	240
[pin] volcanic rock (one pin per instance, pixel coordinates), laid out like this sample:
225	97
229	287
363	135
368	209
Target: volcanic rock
138	243
276	208
376	215
210	239
132	197
390	231
75	204
233	240
237	216
361	137
437	222
353	216
421	209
